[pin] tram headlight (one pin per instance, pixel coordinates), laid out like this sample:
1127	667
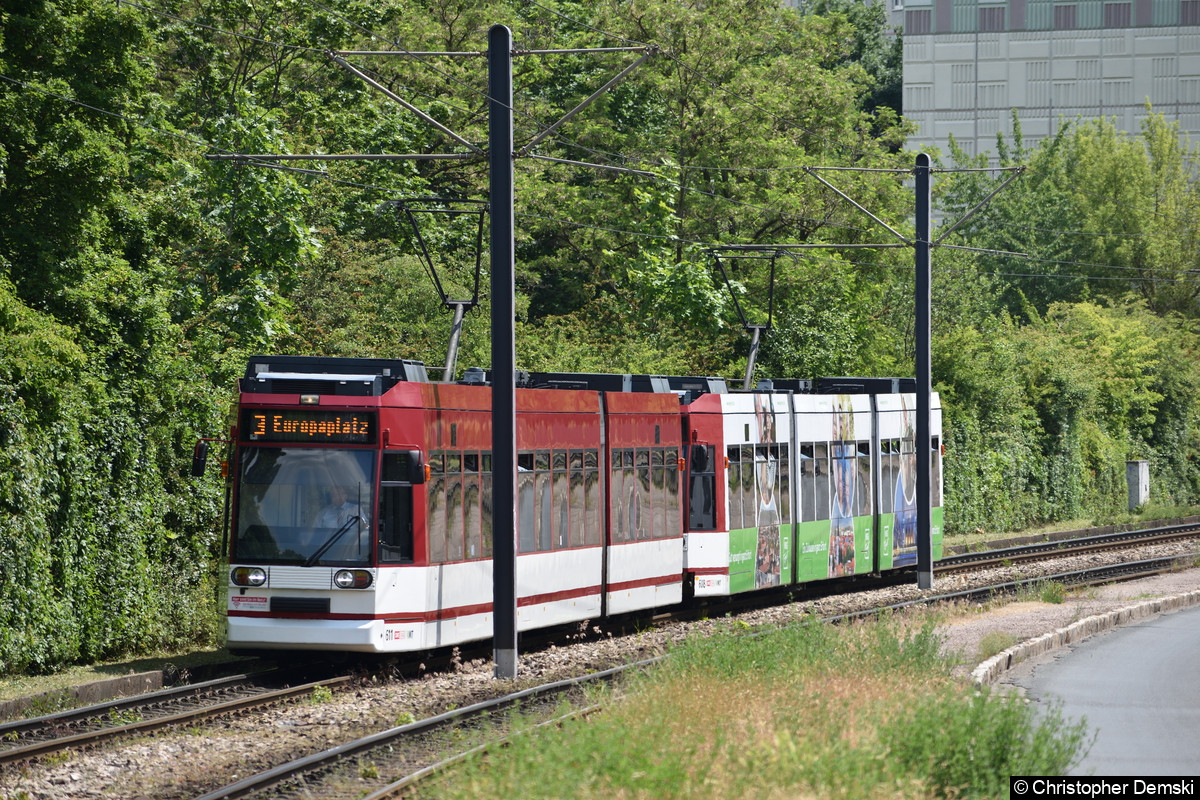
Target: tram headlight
352	579
248	576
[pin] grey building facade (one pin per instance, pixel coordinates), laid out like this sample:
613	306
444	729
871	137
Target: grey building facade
969	63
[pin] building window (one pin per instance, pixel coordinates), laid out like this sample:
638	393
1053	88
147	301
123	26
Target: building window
1189	91
993	95
962	86
920	20
1117	15
1038	75
991	18
1189	12
918	98
1064	17
1118	92
1087	77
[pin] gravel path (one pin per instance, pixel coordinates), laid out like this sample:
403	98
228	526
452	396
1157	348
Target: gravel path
186	764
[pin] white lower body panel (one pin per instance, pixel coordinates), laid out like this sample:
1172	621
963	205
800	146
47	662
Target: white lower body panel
646	574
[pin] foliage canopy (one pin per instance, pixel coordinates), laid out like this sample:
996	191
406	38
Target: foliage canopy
136	273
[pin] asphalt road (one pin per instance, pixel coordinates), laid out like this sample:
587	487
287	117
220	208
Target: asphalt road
1138	687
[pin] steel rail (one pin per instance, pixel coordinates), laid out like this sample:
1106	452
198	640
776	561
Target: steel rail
1092	576
395	788
834	587
89	738
1064	547
74	716
93	714
388	738
325	761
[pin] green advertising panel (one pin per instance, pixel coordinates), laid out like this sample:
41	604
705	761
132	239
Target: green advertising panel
935	533
886	526
826	552
760	557
813	540
823	553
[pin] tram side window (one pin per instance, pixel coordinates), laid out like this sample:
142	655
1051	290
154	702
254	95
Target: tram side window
477	503
561	498
783	457
863	495
395	524
671	498
435	517
630	495
664	492
935	469
771	485
633	504
749	494
898	480
594	533
558	498
887	476
734	454
576	523
541	471
645	528
454	506
658	494
702	493
822	473
526	504
485	505
472	516
616	485
808	484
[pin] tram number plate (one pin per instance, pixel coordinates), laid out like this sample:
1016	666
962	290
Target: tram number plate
399	634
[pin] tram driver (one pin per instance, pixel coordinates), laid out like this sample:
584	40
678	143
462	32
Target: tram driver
340	510
341	531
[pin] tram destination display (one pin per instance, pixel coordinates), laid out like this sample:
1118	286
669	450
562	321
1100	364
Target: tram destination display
303	425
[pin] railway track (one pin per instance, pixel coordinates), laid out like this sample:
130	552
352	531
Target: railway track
384	765
1066	547
122	717
29	739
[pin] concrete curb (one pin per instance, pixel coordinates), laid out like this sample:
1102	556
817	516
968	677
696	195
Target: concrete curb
990	671
85	695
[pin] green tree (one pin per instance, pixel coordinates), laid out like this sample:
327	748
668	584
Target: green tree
878	49
102	544
1100	213
741	98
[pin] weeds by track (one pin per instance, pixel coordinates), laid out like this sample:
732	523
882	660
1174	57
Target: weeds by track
385	764
368	766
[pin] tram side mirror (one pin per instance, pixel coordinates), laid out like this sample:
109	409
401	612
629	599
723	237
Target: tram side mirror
416	470
699	458
199	459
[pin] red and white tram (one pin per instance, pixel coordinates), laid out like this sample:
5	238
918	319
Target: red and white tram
362	498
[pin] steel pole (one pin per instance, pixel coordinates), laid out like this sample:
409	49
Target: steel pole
504	361
924	371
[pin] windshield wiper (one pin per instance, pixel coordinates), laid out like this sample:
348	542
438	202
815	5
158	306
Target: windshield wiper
315	557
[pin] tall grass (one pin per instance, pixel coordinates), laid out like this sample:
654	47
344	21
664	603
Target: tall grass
804	712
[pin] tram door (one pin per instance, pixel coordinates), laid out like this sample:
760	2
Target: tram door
400	471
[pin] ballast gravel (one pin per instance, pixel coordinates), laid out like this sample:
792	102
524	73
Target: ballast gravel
187	763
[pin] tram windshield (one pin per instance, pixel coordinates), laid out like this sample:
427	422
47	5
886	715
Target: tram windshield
304	506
